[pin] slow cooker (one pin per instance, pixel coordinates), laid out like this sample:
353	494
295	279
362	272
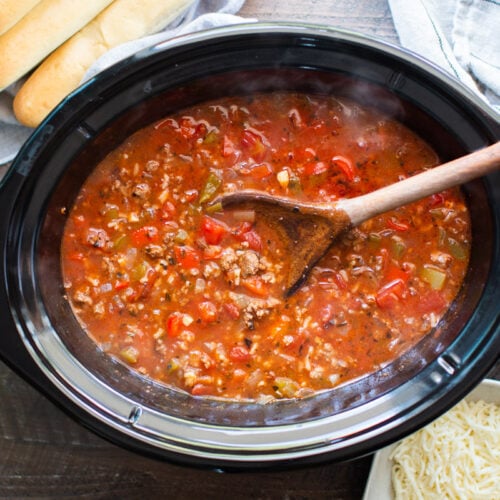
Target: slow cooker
41	339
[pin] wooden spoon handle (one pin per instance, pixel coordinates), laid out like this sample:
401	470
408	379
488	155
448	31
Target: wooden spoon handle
419	186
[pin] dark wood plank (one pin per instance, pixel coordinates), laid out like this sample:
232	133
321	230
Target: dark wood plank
45	454
368	17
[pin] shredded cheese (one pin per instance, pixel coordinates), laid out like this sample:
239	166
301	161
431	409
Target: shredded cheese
455	457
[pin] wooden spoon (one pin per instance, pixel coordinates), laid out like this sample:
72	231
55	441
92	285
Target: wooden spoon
309	229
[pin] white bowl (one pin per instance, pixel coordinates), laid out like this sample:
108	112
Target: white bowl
379	486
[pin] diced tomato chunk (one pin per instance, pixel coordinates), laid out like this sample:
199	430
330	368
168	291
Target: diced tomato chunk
191	194
315	168
390	294
253	239
175	324
213	230
256	285
244	232
253	143
395	273
187	257
293	342
145	235
190	129
258	170
243	228
212	252
240	353
232	310
208	311
201	130
227	147
397	286
239	374
167	211
386	300
201	390
431	302
249	139
436	199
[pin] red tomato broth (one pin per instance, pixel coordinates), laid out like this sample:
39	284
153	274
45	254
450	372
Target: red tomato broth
194	298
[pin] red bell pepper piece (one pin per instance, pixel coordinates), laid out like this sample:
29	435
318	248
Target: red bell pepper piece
345	165
397	225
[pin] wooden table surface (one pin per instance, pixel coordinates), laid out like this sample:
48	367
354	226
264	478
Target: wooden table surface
45	454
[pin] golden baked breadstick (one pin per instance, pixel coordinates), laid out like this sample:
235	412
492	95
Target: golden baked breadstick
62	71
11	11
38	33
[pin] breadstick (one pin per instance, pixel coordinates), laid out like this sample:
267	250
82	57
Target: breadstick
11	11
38	33
62	71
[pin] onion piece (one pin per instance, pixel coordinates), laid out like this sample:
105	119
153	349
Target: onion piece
244	215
